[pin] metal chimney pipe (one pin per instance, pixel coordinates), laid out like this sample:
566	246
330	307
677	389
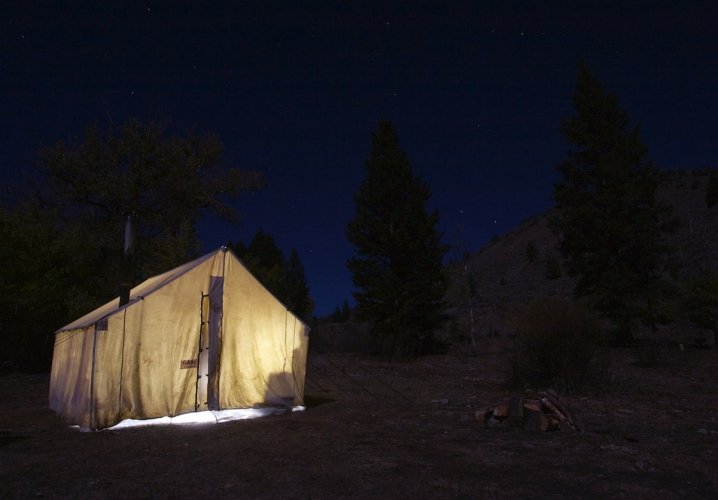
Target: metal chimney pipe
126	270
129	237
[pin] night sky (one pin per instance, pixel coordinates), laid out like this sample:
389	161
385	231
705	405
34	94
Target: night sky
476	90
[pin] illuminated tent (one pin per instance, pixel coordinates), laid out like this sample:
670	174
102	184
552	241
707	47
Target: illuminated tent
204	336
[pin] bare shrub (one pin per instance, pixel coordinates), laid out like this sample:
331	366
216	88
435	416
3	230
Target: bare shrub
555	346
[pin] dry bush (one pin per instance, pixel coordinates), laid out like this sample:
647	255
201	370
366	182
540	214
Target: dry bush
555	346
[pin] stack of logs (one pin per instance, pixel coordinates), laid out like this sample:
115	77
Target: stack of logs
544	412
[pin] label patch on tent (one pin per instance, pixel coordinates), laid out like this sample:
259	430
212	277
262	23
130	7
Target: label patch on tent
188	363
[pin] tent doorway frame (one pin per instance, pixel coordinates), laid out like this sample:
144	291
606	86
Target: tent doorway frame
210	337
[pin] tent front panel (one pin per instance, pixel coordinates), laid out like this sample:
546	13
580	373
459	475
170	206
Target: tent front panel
259	345
161	346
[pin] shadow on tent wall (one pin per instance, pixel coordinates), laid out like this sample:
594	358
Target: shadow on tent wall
287	387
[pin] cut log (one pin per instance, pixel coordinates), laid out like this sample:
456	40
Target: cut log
516	407
534	419
546	413
516	412
483	415
553	409
501	412
570	417
532	405
554	423
493	421
553	398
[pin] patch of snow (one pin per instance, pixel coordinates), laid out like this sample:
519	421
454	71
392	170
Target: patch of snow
205	417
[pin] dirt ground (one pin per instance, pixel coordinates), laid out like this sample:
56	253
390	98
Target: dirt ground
376	429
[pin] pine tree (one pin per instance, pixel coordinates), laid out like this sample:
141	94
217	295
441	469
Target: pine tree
296	288
700	302
609	222
265	260
397	273
341	314
712	190
345	311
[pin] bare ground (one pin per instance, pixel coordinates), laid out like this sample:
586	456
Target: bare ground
651	433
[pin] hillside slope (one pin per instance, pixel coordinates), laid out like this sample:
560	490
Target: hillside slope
525	263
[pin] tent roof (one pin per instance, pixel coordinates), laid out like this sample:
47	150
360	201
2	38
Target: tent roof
137	293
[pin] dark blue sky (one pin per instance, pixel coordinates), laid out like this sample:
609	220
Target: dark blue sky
477	92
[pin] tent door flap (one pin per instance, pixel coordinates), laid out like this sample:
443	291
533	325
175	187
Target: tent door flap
207	397
216	294
202	357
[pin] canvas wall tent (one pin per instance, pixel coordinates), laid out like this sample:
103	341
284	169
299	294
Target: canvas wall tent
204	336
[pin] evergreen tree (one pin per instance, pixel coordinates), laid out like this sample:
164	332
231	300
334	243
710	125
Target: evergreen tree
345	311
531	252
700	302
712	190
341	314
397	273
609	223
297	290
265	260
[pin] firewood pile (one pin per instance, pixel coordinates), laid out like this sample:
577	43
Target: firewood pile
544	412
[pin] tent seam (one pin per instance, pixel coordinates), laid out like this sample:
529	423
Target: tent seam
122	360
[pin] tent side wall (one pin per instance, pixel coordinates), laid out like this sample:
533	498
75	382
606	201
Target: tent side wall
86	367
263	345
106	383
71	376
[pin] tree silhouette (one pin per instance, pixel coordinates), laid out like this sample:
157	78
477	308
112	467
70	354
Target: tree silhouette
66	231
397	272
700	302
609	223
297	290
341	314
284	278
265	260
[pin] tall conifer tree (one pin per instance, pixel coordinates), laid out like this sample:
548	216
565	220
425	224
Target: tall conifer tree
297	291
397	272
609	222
